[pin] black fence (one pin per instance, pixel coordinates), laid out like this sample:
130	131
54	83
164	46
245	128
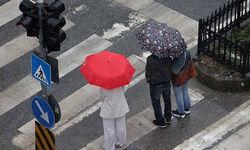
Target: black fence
216	41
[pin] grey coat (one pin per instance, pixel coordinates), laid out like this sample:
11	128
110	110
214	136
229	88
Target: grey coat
114	104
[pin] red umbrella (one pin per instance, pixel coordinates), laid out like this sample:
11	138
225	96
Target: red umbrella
107	69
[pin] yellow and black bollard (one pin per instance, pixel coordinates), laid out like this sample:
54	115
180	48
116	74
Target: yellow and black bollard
44	138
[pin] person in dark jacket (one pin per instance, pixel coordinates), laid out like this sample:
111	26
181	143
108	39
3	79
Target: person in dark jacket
181	91
158	75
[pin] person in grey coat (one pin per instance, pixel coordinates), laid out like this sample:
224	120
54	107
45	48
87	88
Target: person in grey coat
113	110
181	91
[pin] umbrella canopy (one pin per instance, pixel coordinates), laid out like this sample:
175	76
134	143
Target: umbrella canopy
161	40
107	69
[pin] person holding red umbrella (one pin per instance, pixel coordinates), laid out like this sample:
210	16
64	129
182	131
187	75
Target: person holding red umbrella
113	110
111	72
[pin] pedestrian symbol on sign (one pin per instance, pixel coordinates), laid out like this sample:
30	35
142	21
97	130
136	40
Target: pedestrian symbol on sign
40	74
41	70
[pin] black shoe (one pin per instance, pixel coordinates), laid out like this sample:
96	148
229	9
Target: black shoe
161	125
177	114
120	146
168	120
187	111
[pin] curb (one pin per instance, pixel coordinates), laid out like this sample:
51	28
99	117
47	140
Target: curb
229	85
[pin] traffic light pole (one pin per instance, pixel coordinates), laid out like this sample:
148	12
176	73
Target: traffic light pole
42	49
36	19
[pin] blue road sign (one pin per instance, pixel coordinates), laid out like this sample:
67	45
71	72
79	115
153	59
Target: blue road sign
43	112
41	70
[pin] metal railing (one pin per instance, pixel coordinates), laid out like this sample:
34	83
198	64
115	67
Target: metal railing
214	37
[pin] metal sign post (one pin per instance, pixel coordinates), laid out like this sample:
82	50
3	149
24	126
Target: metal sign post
44	21
42	49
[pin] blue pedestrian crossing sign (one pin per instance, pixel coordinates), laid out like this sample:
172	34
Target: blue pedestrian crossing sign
41	70
43	112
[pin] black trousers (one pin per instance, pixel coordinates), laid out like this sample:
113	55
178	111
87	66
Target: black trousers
155	93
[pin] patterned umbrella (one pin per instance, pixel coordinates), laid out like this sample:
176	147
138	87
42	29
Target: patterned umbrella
161	40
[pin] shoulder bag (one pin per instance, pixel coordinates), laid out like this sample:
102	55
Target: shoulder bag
188	72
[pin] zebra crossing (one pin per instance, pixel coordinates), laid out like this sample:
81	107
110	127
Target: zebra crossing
84	103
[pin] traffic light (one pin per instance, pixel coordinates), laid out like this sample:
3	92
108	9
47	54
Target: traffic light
52	33
29	20
52	22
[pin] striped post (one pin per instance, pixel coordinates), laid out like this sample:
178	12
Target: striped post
44	138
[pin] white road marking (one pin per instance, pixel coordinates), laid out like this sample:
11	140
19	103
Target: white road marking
22	45
9	11
76	106
141	124
68	61
117	29
217	130
237	141
160	13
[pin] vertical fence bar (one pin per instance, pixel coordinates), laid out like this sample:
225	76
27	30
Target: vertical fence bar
235	12
227	10
231	16
248	56
220	26
241	59
235	55
219	49
224	50
223	16
200	42
238	12
204	38
244	59
219	19
230	52
242	7
215	31
209	22
215	20
246	6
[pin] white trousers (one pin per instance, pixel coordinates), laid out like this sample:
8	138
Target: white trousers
114	132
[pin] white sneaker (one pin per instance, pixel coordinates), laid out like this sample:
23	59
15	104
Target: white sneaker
187	111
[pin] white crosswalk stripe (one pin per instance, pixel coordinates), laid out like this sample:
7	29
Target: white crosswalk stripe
216	131
75	107
9	11
22	45
70	110
160	13
26	87
140	124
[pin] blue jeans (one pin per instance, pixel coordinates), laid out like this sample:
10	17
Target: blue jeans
182	98
155	92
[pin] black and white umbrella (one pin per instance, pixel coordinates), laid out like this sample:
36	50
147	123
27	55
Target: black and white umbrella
161	40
